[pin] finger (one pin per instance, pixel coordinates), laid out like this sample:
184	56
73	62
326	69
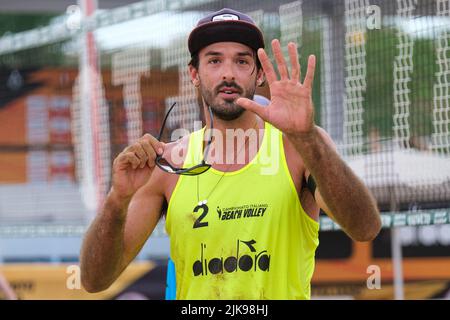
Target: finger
293	56
151	153
138	151
281	63
133	160
253	107
309	78
142	155
267	66
128	159
158	146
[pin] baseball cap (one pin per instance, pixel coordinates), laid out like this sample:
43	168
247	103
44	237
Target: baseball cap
225	25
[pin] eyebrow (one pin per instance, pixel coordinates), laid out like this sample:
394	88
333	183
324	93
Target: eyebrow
245	53
213	53
217	53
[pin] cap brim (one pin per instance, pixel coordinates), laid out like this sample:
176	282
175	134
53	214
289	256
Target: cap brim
223	31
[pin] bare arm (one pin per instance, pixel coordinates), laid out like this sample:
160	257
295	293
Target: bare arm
128	217
340	193
116	236
106	234
291	110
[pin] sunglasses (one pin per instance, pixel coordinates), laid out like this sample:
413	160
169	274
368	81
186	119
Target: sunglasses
200	168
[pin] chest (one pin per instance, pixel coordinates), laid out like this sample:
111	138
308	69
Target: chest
229	204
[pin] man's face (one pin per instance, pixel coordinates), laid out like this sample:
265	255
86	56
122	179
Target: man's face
226	72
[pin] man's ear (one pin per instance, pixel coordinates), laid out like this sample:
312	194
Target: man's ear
261	79
194	76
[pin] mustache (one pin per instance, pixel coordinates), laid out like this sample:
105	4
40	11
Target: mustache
225	84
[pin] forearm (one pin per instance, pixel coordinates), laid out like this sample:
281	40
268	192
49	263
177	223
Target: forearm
346	196
103	246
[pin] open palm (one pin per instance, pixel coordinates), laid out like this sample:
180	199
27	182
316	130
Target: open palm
291	109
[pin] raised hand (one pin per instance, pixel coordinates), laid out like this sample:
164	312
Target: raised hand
291	109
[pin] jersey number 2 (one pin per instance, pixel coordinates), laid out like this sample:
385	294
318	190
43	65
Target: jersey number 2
198	223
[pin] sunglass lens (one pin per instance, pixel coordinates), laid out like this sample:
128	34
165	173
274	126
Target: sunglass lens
198	170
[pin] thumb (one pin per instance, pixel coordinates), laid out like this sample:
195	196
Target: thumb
161	147
253	107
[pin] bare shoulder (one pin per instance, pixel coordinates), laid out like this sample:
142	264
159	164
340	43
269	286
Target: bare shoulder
290	147
294	162
294	159
298	170
292	156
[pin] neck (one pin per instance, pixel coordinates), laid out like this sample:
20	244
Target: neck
234	146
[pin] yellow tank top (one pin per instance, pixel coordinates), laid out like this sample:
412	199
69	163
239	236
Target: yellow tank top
252	239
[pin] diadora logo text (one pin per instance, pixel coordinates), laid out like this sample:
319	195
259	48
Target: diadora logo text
253	260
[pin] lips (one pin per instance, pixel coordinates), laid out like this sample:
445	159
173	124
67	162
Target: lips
229	92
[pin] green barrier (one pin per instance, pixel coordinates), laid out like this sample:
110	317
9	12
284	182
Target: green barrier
400	219
389	220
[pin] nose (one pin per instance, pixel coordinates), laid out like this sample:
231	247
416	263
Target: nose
227	71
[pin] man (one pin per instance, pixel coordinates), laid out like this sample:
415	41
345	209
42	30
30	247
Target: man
171	282
238	229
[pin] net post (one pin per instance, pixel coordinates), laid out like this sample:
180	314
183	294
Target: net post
396	248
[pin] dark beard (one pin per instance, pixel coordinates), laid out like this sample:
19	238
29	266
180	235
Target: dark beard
228	110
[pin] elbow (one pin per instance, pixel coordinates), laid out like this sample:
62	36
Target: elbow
93	286
91	283
366	237
368	232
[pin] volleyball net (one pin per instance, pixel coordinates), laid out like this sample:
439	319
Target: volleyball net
75	92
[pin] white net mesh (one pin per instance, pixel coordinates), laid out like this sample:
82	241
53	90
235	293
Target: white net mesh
127	68
81	90
291	24
403	67
441	110
355	80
